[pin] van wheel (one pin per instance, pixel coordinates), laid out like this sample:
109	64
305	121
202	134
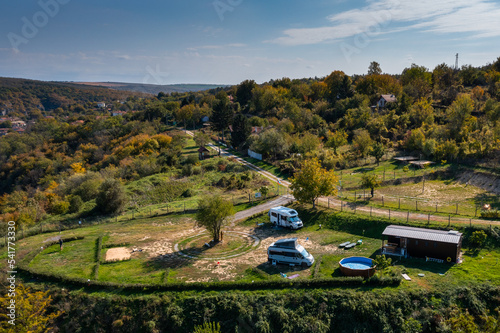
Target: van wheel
304	265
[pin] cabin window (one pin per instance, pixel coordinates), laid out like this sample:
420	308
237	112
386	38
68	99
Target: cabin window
426	243
435	244
416	242
274	215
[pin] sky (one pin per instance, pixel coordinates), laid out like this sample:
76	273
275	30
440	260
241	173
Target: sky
228	41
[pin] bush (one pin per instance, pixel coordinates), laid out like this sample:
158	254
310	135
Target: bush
188	193
490	214
382	262
478	238
59	207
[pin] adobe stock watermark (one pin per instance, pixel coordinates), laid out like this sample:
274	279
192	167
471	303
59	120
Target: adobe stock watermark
155	76
381	19
223	6
30	28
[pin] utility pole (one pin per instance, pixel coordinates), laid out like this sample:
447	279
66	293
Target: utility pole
456	62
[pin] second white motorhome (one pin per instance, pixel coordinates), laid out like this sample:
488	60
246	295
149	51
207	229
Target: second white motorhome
285	217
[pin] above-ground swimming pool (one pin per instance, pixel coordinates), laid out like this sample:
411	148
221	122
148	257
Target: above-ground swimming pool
357	266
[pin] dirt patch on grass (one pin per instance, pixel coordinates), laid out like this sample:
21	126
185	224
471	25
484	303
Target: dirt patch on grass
117	254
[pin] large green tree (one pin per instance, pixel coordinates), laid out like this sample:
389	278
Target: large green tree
111	198
313	181
241	131
213	213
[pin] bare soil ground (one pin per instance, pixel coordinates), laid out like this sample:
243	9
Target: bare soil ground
117	254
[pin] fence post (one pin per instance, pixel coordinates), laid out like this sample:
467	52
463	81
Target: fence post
384	174
428	218
436	207
399	204
371	208
328	202
341	206
383	201
416	205
475	214
456	208
449	220
407	216
355	196
389	214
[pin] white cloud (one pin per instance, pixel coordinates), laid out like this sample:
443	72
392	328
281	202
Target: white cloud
479	18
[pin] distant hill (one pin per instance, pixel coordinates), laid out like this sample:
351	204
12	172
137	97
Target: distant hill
152	88
22	95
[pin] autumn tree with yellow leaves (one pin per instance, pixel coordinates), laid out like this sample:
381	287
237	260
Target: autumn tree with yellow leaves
30	312
313	181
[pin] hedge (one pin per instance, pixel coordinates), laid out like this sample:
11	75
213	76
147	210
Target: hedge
182	286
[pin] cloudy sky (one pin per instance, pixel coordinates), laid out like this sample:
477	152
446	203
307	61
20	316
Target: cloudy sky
228	41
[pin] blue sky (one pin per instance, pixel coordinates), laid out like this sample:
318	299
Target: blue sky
228	41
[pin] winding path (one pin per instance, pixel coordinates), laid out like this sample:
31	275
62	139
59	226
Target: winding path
336	203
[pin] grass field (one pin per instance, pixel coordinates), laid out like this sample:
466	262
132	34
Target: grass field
156	238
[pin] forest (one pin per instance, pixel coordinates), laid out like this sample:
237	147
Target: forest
71	146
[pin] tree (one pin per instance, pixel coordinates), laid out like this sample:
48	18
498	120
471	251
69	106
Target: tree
374	68
336	140
244	92
201	139
185	113
377	151
213	213
370	181
362	142
264	190
270	142
30	311
241	130
313	181
382	262
222	114
111	198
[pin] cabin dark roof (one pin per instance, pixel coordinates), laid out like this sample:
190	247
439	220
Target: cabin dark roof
424	234
202	149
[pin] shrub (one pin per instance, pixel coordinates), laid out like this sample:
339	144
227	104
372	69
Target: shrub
59	207
478	238
188	193
382	262
75	204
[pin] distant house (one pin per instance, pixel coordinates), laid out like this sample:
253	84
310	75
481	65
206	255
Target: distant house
257	129
422	243
203	153
101	105
78	123
118	113
386	99
4	131
205	119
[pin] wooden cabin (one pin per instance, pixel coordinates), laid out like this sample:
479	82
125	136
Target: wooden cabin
203	153
422	243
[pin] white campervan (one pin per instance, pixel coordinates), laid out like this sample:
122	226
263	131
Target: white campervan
288	251
285	217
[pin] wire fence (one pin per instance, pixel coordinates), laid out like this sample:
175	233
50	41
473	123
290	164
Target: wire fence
424	218
414	204
181	207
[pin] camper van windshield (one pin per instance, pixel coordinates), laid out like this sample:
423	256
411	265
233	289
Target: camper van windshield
302	251
294	219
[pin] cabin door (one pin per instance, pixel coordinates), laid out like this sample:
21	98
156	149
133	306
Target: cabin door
402	243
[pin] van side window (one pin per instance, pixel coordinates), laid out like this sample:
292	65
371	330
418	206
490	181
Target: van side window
274	215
